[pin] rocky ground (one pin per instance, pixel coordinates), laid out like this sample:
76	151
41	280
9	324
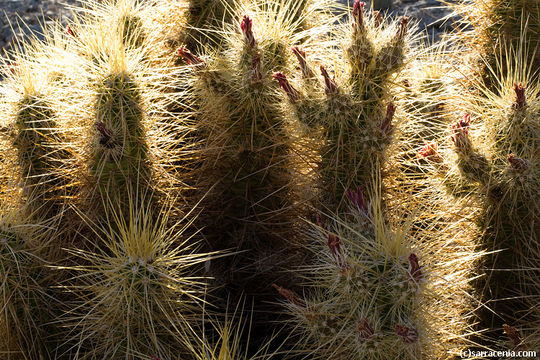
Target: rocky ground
35	13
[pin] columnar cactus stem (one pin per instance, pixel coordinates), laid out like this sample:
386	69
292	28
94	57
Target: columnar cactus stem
41	156
120	154
244	178
504	181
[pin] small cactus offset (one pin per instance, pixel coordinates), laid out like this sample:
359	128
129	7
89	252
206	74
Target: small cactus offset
354	108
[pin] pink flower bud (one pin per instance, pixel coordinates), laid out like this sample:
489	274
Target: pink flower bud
460	135
365	330
357	199
247	29
189	57
301	56
290	296
521	100
292	93
517	164
409	335
358	16
330	85
430	151
386	125
414	267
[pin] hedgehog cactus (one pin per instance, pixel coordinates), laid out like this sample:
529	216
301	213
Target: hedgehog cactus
137	295
366	304
507	181
355	109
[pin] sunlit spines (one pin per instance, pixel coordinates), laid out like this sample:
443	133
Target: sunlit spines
137	292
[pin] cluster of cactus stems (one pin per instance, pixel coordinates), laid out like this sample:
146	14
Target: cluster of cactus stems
355	114
160	111
245	175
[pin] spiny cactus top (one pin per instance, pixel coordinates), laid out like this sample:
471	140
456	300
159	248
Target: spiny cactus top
355	109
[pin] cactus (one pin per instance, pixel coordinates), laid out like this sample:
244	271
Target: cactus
368	296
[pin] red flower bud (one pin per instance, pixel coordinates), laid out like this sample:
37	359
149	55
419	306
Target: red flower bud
12	68
414	267
331	86
409	335
257	67
517	164
521	100
402	30
293	94
358	16
247	29
301	56
320	222
357	199
290	296
104	134
189	57
69	31
386	125
430	151
365	330
378	18
334	244
460	135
